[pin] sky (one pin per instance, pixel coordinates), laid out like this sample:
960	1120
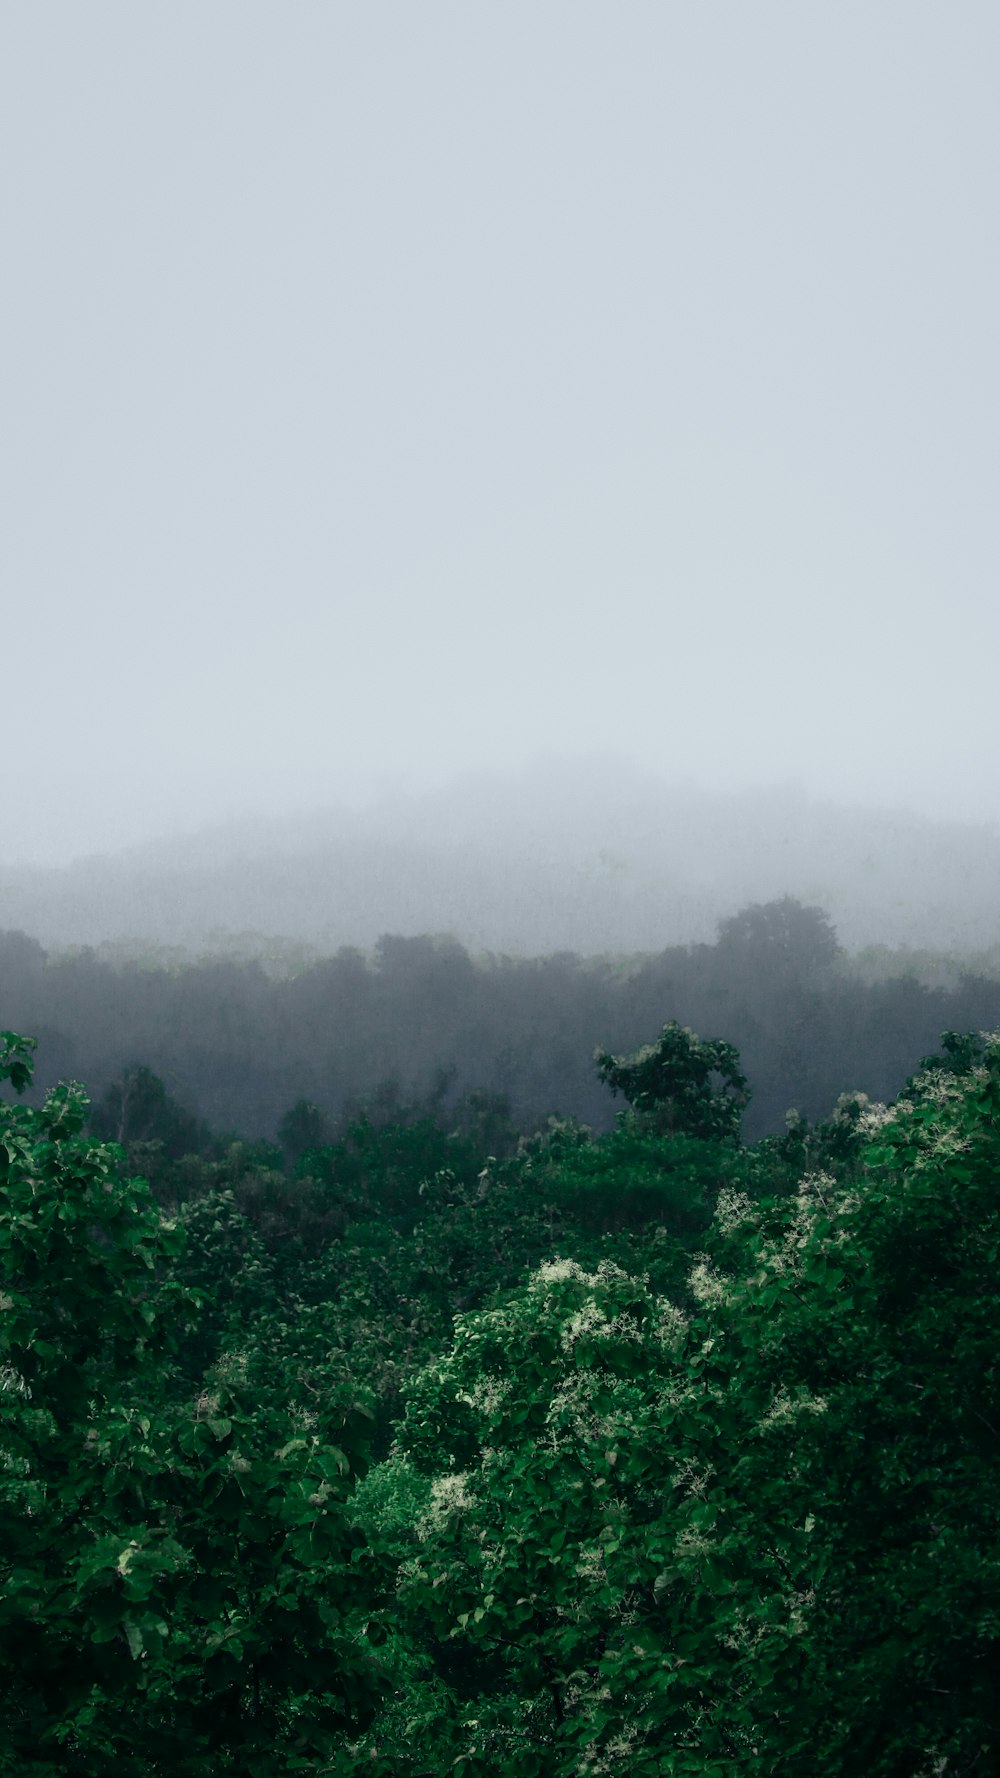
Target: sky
390	391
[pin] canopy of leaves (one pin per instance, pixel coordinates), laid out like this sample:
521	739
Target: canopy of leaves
177	1576
758	1533
682	1082
694	1463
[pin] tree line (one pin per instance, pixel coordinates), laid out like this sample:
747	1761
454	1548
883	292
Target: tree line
420	1017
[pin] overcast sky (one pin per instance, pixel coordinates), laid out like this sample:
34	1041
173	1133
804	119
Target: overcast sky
393	389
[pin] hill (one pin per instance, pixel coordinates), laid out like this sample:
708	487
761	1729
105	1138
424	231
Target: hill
599	860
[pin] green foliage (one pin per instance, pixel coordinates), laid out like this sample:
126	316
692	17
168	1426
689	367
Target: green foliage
176	1576
760	1537
518	1571
138	1109
833	1144
379	1167
715	1495
17	1060
303	1127
633	1196
682	1083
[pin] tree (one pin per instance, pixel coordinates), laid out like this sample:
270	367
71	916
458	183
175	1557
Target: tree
779	938
304	1126
176	1576
155	1130
518	1501
682	1083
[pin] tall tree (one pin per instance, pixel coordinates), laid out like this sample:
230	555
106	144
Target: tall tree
682	1083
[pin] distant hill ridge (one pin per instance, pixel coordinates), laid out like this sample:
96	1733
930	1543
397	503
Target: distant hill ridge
598	860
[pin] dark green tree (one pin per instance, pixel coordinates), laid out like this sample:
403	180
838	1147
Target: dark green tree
138	1108
759	1534
682	1083
177	1577
304	1126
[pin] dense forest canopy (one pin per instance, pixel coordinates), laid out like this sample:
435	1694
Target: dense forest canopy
415	1362
412	1449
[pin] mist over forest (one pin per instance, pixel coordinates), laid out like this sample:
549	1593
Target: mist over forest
485	939
598	858
362	1291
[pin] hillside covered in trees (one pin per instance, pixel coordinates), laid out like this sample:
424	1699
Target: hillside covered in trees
413	1363
596	857
651	1452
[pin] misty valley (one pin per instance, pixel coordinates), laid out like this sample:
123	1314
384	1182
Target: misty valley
417	1361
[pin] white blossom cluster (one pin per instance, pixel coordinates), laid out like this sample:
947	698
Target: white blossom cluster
591	1564
558	1271
786	1407
692	1479
487	1395
670	1326
731	1209
12	1382
874	1117
561	1271
589	1319
450	1494
580	1405
705	1284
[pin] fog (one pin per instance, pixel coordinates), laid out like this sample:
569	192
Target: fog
392	392
597	859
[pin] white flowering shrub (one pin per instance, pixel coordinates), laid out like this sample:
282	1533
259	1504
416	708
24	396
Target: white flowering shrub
754	1532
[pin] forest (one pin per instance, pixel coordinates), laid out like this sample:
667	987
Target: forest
419	1020
417	1365
500	890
